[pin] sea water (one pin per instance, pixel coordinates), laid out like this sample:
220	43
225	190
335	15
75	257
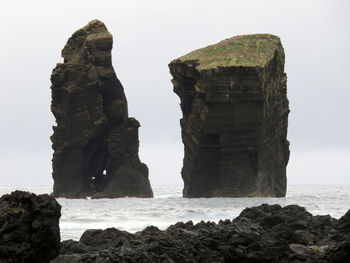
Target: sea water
168	207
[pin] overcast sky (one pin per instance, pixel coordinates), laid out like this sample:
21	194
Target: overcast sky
147	36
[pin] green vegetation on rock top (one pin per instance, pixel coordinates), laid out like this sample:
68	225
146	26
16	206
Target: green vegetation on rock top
245	50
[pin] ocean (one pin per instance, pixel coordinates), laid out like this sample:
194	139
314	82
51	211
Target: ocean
168	207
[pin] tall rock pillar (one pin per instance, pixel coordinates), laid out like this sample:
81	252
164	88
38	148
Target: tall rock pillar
95	142
235	116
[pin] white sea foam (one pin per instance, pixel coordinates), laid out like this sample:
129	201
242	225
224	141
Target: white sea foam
168	207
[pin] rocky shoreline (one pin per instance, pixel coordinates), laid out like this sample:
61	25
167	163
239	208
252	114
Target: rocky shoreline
266	233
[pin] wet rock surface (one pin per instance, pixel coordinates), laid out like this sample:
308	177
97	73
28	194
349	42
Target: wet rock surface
95	142
235	116
267	233
29	228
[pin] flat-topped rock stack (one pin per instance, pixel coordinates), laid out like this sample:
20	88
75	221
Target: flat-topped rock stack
235	117
95	142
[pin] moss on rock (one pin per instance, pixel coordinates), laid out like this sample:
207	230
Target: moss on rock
246	50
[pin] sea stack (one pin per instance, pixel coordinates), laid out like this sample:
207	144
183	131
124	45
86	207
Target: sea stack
95	142
235	116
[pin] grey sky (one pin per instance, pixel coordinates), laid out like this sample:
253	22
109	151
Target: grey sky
147	36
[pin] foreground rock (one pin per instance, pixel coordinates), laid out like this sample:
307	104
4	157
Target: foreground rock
29	228
95	142
267	233
235	116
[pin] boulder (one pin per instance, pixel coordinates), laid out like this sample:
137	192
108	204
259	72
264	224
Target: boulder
235	116
29	228
95	142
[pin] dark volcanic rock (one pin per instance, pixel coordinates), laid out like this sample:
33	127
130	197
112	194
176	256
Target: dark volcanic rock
95	142
267	233
340	251
235	116
29	227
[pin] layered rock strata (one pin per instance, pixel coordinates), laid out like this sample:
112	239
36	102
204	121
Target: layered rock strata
29	228
267	233
95	142
235	116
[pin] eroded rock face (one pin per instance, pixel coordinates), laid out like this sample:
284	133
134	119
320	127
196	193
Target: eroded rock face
266	233
235	117
29	228
95	142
